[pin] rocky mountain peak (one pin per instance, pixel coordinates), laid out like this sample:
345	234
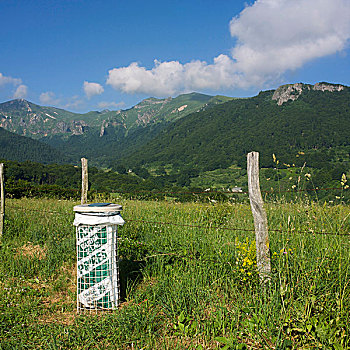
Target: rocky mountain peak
17	103
151	101
328	87
288	92
292	91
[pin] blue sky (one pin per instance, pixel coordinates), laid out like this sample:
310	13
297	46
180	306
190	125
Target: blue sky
90	55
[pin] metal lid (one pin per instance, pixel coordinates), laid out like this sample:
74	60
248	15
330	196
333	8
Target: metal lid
98	208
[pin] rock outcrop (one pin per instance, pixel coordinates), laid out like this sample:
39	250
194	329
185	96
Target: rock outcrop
292	91
328	87
288	92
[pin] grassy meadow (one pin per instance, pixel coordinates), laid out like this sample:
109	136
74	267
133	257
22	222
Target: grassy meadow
187	281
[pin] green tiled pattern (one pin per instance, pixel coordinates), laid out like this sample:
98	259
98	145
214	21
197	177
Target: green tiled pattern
100	272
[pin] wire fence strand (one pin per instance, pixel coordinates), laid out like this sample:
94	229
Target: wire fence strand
211	225
232	192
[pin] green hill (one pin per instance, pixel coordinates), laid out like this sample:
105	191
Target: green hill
314	119
20	148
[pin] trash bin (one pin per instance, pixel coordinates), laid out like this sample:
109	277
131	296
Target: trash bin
97	258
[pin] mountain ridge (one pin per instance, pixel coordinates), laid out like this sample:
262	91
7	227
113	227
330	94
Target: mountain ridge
28	119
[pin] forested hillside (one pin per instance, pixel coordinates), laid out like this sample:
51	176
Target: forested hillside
314	121
20	148
32	179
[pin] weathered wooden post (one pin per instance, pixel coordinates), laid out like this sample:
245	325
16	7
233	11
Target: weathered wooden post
84	180
260	218
2	205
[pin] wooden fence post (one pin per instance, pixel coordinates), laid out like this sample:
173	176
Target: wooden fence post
2	205
260	218
84	180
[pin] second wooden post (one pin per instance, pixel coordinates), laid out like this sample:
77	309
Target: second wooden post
260	218
84	180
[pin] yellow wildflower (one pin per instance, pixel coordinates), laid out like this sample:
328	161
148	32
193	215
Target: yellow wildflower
343	179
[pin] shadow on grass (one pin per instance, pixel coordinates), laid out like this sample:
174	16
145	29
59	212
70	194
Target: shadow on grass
129	273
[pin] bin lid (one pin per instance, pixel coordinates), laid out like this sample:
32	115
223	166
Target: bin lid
97	208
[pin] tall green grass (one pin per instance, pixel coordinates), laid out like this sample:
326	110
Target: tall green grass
182	286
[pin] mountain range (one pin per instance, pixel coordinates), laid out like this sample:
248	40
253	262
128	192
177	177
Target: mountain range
194	133
96	134
28	119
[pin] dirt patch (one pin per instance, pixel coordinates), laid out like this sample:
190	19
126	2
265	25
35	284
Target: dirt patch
31	250
62	318
60	305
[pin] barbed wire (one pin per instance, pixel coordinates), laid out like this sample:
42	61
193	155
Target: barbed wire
233	192
235	228
303	190
39	210
182	192
193	226
211	225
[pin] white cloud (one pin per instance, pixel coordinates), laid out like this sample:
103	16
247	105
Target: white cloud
273	37
48	98
21	91
92	89
108	105
168	78
9	80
